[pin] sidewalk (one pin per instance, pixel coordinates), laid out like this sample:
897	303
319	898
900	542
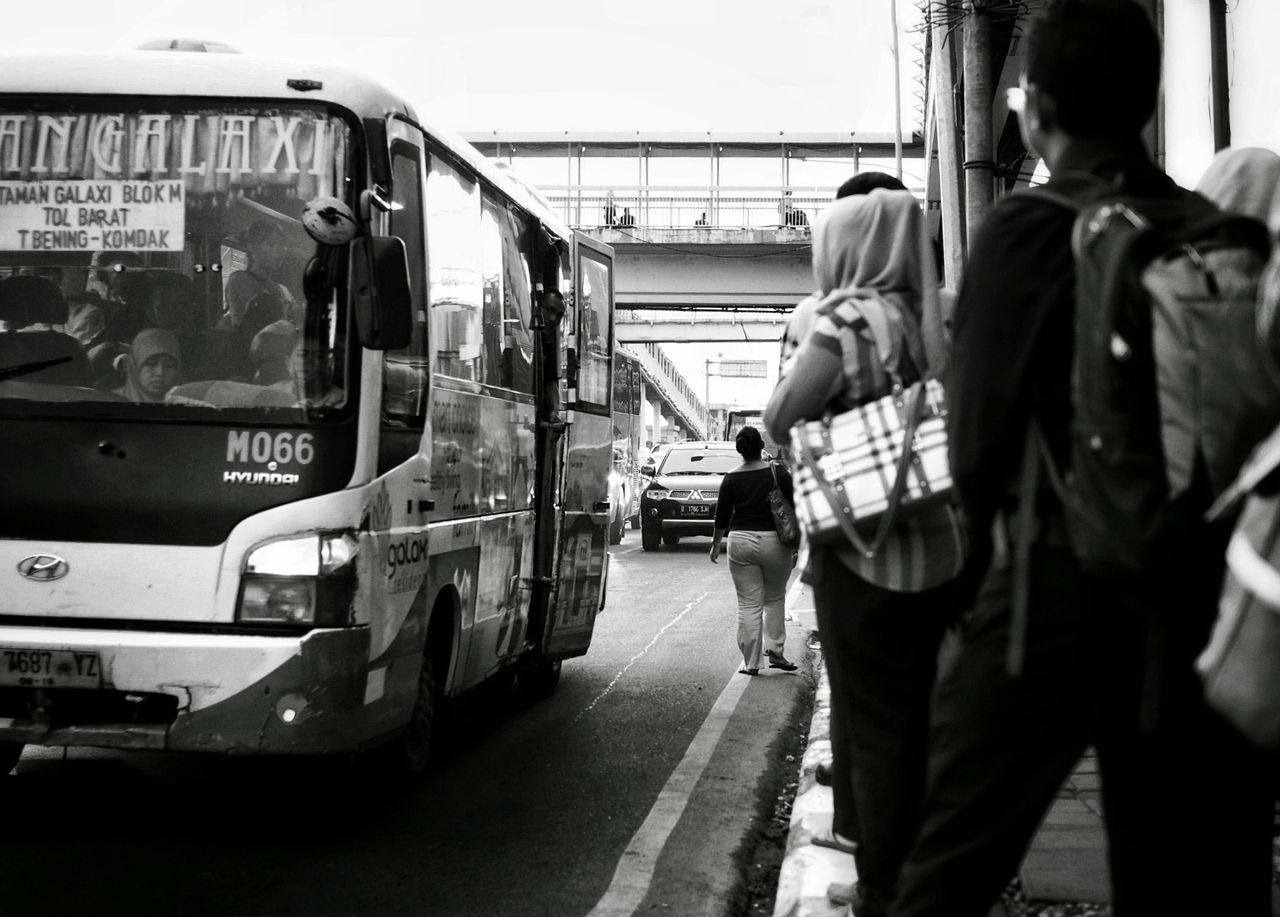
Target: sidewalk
1066	861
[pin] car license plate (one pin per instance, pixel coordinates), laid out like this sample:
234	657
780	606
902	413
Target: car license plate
28	668
696	510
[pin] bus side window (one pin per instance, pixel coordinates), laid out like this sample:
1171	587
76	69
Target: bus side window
492	327
406	372
517	313
595	346
456	272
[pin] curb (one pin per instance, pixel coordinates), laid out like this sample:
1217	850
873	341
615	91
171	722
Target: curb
807	870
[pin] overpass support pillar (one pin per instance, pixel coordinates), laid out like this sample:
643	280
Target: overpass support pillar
655	418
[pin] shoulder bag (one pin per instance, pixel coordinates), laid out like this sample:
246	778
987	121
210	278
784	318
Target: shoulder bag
784	514
871	465
1240	666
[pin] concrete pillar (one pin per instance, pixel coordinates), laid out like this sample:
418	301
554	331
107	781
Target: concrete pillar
655	426
669	424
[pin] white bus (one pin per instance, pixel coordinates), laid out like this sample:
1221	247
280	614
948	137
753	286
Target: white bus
304	412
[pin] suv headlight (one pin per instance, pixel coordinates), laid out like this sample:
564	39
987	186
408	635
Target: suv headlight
307	580
657	493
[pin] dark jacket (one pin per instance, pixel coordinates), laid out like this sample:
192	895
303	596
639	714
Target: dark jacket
1013	337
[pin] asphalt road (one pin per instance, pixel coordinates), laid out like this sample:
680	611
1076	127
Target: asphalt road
639	785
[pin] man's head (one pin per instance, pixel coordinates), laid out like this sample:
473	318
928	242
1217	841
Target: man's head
1092	71
866	182
267	245
270	352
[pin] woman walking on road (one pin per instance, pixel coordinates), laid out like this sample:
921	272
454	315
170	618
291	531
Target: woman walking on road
881	618
758	560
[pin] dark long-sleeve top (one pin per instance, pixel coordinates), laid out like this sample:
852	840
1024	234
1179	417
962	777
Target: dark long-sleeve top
743	504
1013	328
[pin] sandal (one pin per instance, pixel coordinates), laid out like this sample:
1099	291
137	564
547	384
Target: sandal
779	661
833	841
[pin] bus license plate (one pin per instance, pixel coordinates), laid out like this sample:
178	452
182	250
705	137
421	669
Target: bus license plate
28	668
697	510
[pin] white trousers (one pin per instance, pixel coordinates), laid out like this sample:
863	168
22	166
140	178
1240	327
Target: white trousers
760	566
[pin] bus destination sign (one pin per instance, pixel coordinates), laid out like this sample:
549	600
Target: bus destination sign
84	215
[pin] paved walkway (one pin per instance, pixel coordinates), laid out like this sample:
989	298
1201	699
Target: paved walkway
1066	861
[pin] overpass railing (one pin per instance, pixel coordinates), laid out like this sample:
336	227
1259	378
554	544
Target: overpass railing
653	207
671	387
649	207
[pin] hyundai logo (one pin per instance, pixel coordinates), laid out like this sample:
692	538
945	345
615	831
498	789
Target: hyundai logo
43	567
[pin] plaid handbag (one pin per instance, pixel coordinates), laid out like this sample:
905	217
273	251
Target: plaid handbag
1240	666
870	464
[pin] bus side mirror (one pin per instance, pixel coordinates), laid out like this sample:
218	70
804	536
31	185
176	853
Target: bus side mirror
380	292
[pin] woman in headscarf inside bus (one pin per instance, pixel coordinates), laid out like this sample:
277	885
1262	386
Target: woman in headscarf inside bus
153	366
881	618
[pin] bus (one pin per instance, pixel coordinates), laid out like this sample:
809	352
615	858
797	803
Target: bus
628	429
737	418
305	410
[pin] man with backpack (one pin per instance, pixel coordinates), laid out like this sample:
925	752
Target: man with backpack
1098	582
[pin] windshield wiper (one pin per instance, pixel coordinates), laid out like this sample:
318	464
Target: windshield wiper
22	369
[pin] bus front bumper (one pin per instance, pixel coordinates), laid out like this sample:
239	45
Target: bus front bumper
229	693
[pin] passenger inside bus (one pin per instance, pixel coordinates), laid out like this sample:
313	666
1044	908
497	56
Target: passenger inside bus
152	365
271	353
230	349
33	310
266	250
552	314
309	379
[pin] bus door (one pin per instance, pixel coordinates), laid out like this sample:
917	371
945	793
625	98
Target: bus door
588	453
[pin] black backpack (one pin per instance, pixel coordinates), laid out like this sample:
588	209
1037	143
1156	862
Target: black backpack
1171	388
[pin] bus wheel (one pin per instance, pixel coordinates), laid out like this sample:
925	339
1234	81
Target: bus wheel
650	539
538	679
670	540
616	531
414	748
635	522
10	752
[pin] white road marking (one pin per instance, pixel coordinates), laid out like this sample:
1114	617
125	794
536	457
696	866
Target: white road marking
636	658
632	878
622	550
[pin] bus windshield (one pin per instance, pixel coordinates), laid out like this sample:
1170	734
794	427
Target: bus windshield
152	262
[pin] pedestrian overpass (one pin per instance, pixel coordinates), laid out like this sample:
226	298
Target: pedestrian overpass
671	400
698	260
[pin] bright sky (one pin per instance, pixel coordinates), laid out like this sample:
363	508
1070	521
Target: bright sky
671	65
796	65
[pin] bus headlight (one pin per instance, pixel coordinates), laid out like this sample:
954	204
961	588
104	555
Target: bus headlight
278	599
307	580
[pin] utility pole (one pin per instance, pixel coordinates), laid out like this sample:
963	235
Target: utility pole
979	161
950	155
1219	78
897	91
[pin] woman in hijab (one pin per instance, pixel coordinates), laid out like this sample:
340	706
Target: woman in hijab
1245	180
881	618
153	366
